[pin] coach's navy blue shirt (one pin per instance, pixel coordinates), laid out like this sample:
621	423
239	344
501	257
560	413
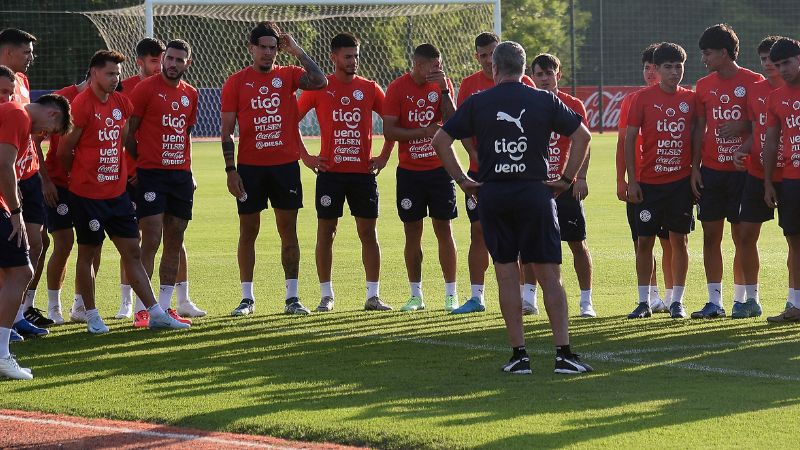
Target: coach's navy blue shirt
512	124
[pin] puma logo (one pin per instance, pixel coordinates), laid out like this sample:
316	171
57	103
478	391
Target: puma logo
410	98
714	92
293	191
505	117
163	96
785	103
762	100
331	93
659	107
98	116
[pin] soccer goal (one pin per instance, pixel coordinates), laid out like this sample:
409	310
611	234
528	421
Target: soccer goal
218	29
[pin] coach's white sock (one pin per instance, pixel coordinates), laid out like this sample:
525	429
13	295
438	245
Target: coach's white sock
529	294
794	298
477	292
751	291
416	288
654	294
326	289
165	295
715	293
20	315
291	288
30	298
644	294
677	294
668	293
373	289
5	335
247	290
450	288
126	293
139	305
53	298
182	292
739	293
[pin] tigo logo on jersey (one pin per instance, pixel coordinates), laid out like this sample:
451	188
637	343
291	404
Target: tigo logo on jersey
269	104
515	149
351	119
734	113
178	123
674	128
423	118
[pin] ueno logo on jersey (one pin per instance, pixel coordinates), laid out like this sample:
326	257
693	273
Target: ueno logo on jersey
674	128
269	104
178	123
423	118
108	134
351	119
733	113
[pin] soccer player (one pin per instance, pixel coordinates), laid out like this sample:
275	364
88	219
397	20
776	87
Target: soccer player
754	211
159	139
722	127
783	122
478	258
516	204
261	98
345	167
93	156
546	70
8	83
415	105
50	114
650	75
659	178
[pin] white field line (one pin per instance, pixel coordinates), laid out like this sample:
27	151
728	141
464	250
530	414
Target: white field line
154	434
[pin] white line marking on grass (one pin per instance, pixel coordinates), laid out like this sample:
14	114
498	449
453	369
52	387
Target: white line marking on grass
155	434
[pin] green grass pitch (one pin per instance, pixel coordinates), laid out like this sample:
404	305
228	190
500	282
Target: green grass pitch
425	379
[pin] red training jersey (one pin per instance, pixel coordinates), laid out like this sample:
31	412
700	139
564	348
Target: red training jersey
266	109
784	112
757	109
58	175
719	101
27	164
128	85
15	130
665	123
559	145
98	169
167	113
624	111
344	112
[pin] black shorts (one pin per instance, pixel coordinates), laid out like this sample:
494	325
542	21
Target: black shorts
721	195
162	191
789	210
278	184
10	254
667	206
425	192
131	190
33	208
359	189
60	217
469	202
93	218
754	209
630	210
519	221
571	219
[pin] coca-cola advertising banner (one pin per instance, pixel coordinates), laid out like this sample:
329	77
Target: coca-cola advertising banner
612	100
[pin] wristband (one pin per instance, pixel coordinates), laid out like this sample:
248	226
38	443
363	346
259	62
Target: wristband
461	179
15	211
230	168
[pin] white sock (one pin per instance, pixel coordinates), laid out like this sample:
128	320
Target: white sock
165	295
373	289
644	294
416	288
715	293
92	314
78	302
521	290
677	294
54	298
19	316
30	297
654	294
247	290
450	288
126	293
751	291
668	293
326	289
529	294
291	288
795	298
139	305
5	335
739	292
586	297
477	292
156	311
182	292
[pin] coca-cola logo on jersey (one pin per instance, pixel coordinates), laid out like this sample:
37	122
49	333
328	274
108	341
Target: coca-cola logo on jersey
269	104
423	118
351	119
177	123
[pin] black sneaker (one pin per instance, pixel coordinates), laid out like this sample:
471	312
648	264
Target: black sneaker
571	364
35	316
518	365
642	311
246	307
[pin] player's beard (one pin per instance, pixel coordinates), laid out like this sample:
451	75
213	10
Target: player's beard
174	77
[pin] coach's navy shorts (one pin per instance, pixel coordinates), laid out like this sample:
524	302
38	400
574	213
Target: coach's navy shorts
93	218
359	189
754	209
789	208
571	219
667	206
33	210
425	192
469	202
630	210
60	217
280	185
721	195
10	254
519	221
160	191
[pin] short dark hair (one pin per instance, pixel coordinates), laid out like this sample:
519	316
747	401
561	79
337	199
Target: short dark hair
668	52
546	61
8	73
427	51
718	37
180	44
767	43
101	57
784	48
149	47
14	36
647	54
485	39
344	40
61	103
264	29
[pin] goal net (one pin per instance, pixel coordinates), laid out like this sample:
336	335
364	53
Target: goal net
218	34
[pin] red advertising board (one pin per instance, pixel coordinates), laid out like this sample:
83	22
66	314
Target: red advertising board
612	99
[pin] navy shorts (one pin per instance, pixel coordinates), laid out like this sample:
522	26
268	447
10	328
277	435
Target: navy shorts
60	217
131	190
789	211
33	208
10	254
754	209
630	210
721	195
359	189
280	185
425	192
667	206
160	191
93	218
571	219
519	221
469	202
